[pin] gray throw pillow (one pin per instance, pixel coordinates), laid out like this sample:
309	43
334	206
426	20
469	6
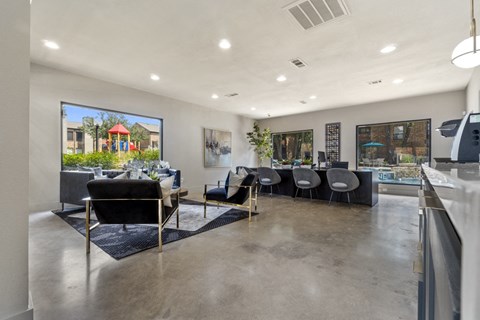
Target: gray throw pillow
125	175
97	171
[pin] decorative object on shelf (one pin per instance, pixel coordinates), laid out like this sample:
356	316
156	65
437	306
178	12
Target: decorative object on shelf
332	141
286	164
466	55
262	141
217	148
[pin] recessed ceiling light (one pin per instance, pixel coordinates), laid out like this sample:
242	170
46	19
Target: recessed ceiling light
389	48
253	108
281	78
313	97
397	81
51	45
154	77
224	44
214	96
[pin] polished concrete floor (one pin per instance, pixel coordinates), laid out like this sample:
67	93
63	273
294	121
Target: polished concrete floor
296	260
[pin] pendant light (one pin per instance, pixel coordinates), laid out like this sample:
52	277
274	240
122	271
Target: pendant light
466	54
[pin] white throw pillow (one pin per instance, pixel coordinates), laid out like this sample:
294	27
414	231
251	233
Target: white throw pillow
234	182
242	172
166	185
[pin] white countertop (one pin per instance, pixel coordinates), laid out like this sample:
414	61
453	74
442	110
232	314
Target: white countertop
458	187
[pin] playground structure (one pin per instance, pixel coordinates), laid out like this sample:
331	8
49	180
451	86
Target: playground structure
118	145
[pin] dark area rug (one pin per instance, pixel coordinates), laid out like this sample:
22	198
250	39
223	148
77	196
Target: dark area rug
120	244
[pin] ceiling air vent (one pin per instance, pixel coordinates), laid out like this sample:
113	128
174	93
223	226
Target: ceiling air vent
230	95
298	63
374	82
312	13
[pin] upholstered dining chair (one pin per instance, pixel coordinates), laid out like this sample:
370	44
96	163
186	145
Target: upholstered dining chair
306	179
268	177
245	194
122	201
342	180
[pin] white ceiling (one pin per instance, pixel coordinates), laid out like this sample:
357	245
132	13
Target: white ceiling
124	41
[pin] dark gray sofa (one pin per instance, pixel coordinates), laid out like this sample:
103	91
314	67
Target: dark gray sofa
73	184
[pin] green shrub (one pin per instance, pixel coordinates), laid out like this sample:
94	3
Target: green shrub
72	160
106	160
148	155
406	158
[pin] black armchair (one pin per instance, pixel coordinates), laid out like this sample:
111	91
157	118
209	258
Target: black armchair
246	192
121	201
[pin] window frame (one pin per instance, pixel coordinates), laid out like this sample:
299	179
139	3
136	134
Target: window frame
404	122
295	131
62	103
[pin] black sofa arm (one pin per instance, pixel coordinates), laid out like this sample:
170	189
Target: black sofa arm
177	180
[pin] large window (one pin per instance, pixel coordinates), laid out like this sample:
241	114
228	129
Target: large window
119	137
289	147
395	149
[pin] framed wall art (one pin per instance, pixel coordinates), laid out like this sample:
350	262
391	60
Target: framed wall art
217	148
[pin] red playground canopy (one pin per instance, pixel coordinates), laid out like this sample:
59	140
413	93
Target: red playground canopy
119	129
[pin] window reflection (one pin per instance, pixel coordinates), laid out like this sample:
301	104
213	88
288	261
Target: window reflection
395	149
292	147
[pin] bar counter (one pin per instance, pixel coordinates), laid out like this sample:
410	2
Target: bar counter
367	192
457	187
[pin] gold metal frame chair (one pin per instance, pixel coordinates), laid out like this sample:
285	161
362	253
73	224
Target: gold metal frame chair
251	196
161	225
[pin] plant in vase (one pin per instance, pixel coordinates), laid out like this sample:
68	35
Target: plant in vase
307	163
286	163
262	141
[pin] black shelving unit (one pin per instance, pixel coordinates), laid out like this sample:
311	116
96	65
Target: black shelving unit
332	142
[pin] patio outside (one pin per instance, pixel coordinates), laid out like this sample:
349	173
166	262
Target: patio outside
397	150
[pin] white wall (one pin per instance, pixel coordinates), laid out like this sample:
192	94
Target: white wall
439	107
183	129
14	78
473	92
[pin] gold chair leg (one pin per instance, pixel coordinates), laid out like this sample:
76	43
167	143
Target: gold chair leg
160	204
205	202
205	209
249	204
87	227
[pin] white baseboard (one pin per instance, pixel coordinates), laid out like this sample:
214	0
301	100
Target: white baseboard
24	315
44	206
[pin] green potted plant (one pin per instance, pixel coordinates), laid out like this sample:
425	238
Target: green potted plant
262	141
307	163
286	163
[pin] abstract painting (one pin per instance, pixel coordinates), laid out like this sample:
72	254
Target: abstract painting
218	148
